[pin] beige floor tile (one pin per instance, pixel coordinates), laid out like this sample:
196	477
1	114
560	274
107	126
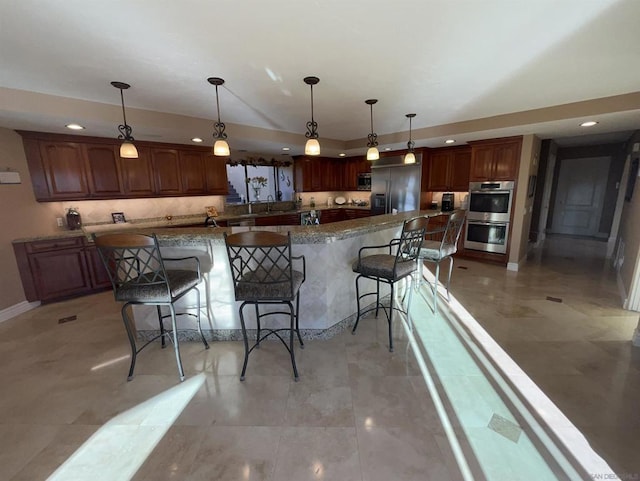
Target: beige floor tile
311	453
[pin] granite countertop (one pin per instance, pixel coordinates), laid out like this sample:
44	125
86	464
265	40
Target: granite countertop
170	232
173	222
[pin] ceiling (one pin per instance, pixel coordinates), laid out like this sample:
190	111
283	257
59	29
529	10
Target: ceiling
469	69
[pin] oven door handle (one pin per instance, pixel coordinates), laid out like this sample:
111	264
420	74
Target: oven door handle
477	222
490	191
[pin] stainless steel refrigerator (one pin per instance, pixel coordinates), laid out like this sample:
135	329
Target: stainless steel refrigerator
395	185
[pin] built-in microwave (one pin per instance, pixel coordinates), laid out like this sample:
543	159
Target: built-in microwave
364	181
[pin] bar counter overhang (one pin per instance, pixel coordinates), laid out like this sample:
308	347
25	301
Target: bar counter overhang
327	298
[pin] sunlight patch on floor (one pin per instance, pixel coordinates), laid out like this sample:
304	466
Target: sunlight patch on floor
120	447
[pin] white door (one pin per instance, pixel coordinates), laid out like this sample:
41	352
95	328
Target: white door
580	195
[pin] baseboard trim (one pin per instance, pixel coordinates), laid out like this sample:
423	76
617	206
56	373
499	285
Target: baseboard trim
17	309
513	266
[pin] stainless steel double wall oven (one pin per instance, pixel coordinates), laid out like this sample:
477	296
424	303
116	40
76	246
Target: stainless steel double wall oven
489	215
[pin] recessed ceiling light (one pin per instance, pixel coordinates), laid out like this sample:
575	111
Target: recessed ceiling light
589	123
342	154
74	126
286	149
450	141
196	139
387	148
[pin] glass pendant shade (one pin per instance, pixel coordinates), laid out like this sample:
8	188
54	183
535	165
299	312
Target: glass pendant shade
373	154
221	148
128	150
312	147
410	158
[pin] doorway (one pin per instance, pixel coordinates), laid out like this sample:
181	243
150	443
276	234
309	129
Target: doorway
579	198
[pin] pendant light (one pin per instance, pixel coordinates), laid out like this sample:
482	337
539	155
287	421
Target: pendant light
127	149
220	147
312	147
410	157
372	152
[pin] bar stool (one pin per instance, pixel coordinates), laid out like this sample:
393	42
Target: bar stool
437	251
262	271
390	267
138	276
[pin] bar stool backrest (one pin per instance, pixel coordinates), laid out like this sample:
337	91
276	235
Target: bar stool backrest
449	243
410	241
133	262
261	265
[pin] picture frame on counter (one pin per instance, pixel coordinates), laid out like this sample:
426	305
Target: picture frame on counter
118	217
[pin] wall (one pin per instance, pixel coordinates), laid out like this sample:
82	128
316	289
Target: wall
523	204
22	216
630	227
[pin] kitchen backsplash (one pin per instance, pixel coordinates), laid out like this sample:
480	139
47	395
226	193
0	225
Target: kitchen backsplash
99	211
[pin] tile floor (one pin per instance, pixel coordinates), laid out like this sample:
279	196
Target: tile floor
358	412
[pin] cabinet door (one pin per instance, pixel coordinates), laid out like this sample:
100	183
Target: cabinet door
60	273
97	272
192	173
216	169
137	175
103	170
459	171
506	159
166	170
64	170
481	163
438	179
351	168
331	215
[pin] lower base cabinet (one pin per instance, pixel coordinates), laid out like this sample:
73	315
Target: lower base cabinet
56	269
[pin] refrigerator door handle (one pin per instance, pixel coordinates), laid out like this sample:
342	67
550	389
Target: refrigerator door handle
388	197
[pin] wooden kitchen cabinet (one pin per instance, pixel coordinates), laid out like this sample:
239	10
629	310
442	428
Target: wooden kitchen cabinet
350	214
64	170
67	167
103	170
331	215
216	174
496	159
56	269
322	174
192	172
447	170
166	170
137	175
279	219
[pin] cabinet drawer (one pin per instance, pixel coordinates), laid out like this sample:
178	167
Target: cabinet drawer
54	244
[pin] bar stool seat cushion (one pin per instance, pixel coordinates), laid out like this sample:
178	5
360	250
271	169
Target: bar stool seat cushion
382	265
259	284
435	250
179	280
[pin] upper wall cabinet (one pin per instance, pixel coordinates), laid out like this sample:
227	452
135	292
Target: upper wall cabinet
319	174
496	159
446	169
103	169
65	167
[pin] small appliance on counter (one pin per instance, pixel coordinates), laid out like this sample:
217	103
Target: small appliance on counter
447	202
74	221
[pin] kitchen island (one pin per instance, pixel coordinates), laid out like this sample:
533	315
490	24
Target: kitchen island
327	298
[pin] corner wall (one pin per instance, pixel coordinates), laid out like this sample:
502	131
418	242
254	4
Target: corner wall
523	204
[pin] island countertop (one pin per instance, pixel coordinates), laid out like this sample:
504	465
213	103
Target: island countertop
181	231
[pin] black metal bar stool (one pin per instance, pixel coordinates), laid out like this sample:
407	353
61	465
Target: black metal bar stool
262	271
390	267
138	276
